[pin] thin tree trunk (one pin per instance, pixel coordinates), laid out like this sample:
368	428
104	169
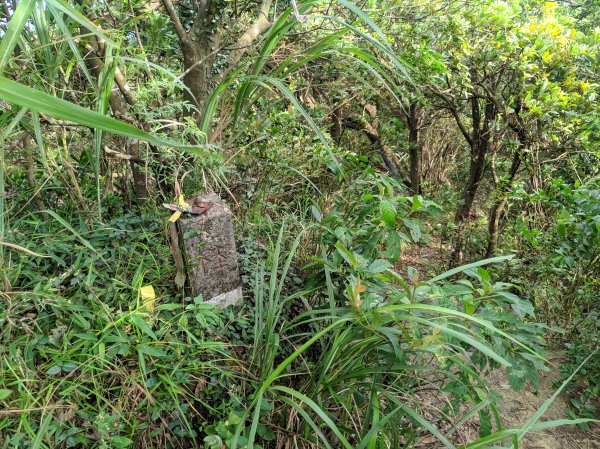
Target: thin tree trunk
500	204
139	173
337	117
481	144
415	150
494	224
411	117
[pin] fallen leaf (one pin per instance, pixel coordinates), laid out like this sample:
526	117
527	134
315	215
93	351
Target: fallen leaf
148	297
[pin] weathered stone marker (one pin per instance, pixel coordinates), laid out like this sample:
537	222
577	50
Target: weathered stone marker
210	253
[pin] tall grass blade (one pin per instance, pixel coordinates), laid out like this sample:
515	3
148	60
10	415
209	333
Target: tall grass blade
367	438
544	407
280	368
307	418
255	421
420	420
68	227
71	42
10	39
267	81
463	268
366	19
532	425
5	133
78	17
318	410
24	96
105	84
456	313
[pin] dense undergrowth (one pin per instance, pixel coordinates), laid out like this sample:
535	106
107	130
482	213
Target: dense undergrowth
335	355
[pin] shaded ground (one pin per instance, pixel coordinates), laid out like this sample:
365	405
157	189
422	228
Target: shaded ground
429	260
518	406
515	409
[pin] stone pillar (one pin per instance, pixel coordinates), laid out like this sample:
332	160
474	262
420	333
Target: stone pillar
210	253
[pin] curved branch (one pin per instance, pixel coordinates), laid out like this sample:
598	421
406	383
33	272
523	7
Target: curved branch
259	27
181	33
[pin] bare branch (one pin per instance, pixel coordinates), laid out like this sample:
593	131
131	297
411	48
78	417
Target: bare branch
126	157
260	26
175	20
452	108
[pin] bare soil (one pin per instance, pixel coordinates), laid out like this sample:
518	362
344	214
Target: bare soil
518	406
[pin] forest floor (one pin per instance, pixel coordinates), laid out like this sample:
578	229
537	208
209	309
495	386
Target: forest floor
516	407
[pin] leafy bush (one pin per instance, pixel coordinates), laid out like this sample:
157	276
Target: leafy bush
561	254
93	362
564	257
585	390
351	366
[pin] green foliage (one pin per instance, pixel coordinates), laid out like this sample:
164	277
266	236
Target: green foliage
570	244
340	342
367	323
585	390
103	367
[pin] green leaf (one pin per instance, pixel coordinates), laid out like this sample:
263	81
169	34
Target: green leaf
4	393
168	307
414	228
154	351
522	308
347	255
469	266
53	370
213	441
121	442
139	321
393	246
38	101
316	213
388	212
13	33
469	306
379	266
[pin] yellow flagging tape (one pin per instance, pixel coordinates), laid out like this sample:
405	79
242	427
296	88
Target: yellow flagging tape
181	203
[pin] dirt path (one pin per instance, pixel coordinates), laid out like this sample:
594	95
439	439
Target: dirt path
518	406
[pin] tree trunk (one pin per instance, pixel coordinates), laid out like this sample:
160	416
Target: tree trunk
480	142
139	173
337	118
414	148
494	225
197	63
203	41
500	204
411	117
